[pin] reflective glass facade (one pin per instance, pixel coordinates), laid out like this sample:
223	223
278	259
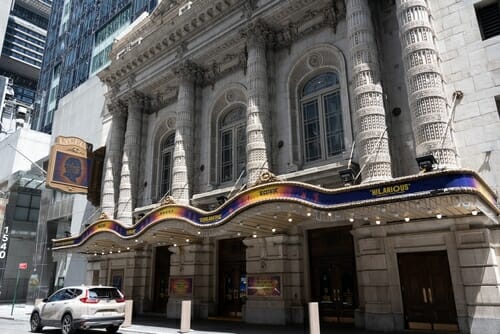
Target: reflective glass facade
76	32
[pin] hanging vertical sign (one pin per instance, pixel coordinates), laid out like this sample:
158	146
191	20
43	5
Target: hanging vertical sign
70	165
4	244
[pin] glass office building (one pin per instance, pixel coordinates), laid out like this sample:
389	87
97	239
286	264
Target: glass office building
25	29
79	38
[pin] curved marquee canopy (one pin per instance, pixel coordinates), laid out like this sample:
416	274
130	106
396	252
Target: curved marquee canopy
187	223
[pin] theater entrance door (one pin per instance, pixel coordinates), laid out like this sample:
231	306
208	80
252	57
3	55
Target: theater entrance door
232	277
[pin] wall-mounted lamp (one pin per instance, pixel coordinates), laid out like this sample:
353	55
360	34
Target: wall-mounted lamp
221	199
348	175
426	163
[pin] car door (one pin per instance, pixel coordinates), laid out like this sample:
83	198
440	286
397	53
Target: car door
48	311
63	304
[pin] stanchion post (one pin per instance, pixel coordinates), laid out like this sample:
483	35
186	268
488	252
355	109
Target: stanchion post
313	318
185	316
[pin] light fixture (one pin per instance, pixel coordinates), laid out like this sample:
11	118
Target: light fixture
199	232
273	230
407	219
110	252
128	248
348	175
95	254
119	251
238	234
221	199
136	240
474	212
255	235
308	214
187	240
329	214
377	222
426	163
290	220
439	216
351	220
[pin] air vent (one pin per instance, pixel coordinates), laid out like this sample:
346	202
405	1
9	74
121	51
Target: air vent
488	18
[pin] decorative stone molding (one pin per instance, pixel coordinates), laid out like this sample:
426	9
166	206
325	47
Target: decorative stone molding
257	33
166	200
249	7
370	123
189	70
425	84
257	130
266	177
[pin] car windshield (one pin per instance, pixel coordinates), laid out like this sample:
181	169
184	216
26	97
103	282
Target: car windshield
110	293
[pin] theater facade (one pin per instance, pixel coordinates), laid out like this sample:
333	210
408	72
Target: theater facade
266	154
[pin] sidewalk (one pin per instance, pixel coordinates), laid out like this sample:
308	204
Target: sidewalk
157	325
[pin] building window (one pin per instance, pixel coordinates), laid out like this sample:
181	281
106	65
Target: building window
497	101
166	158
233	139
27	207
488	17
323	134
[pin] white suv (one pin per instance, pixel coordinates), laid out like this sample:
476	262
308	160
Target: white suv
80	307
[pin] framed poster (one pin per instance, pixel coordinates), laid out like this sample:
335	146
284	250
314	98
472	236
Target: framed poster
264	286
181	286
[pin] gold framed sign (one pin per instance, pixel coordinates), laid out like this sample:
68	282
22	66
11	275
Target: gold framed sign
70	163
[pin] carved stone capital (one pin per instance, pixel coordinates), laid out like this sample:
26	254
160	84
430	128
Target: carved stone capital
188	70
258	33
136	98
117	108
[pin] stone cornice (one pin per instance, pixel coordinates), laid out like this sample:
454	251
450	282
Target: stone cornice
164	39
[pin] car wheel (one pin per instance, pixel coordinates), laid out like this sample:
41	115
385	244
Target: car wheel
35	323
112	329
67	324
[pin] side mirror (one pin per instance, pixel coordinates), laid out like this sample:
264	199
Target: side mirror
45	300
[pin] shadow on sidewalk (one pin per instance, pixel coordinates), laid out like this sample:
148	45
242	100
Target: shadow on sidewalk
239	327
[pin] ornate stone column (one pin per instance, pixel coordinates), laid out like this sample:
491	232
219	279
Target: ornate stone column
258	105
112	162
130	160
424	82
184	137
369	117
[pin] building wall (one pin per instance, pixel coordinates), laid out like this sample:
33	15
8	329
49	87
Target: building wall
34	145
471	245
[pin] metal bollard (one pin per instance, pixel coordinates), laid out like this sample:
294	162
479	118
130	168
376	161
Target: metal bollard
185	316
313	318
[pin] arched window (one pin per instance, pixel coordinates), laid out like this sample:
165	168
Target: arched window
323	134
233	140
166	154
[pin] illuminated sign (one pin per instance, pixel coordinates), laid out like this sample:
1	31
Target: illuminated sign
70	165
390	190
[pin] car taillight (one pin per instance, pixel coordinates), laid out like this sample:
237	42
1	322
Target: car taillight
88	300
120	300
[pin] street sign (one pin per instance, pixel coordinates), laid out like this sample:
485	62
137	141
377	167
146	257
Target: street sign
23	265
